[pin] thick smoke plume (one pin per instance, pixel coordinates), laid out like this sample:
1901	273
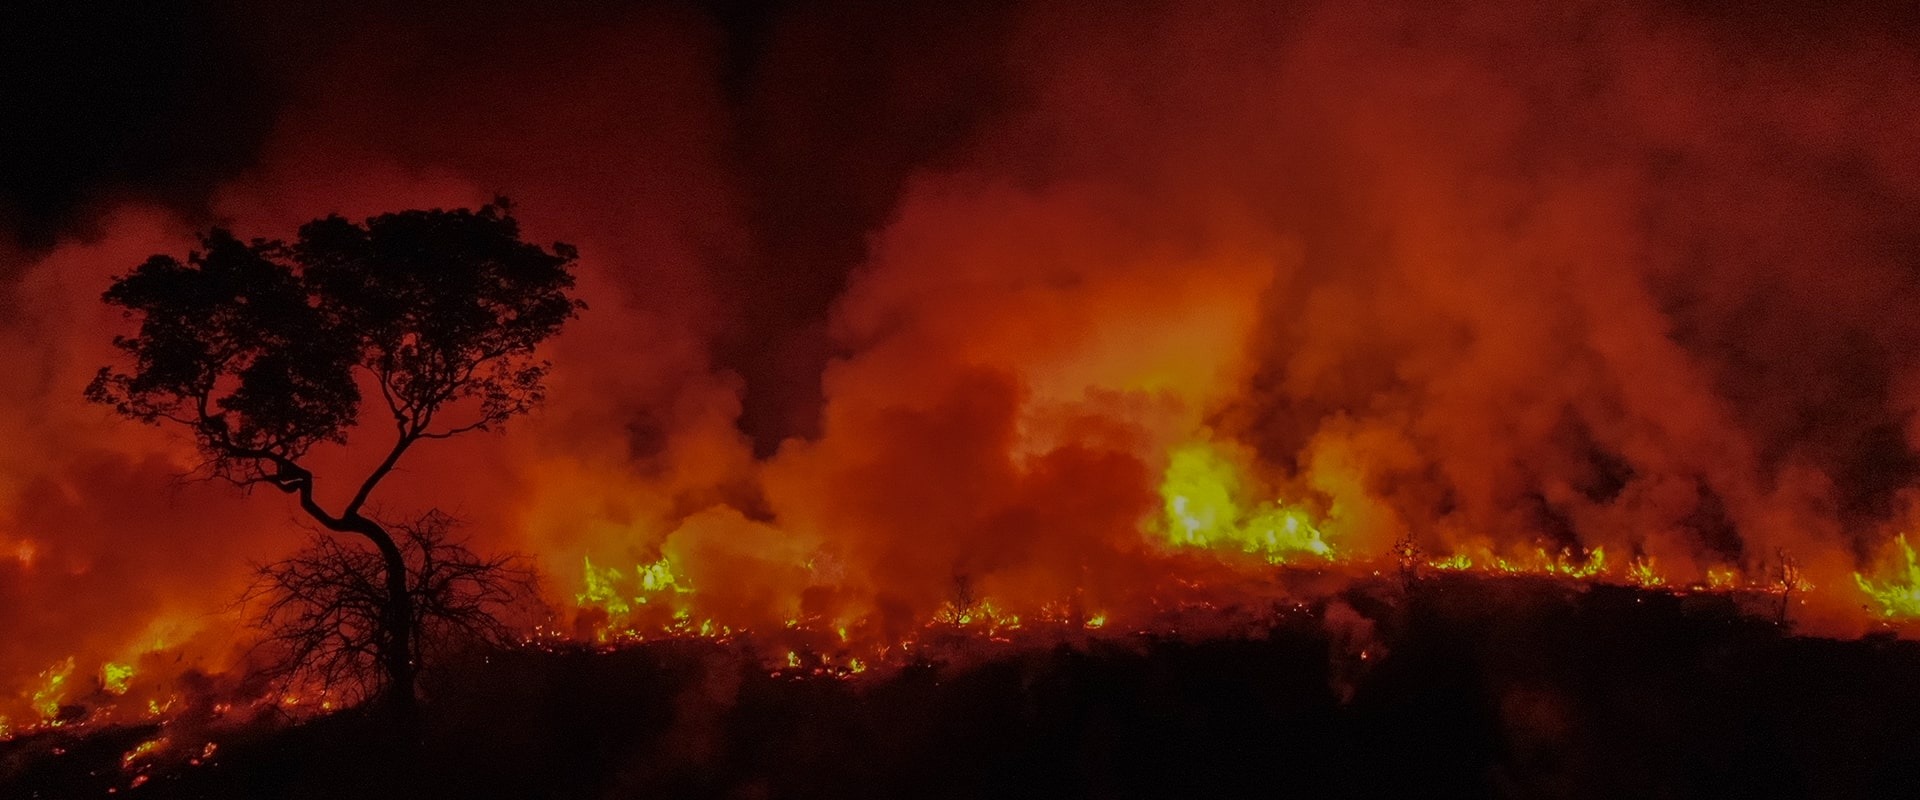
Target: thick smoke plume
893	311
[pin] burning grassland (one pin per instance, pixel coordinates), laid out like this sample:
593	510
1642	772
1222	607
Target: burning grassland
1472	684
1093	326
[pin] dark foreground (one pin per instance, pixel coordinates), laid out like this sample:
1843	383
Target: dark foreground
1468	688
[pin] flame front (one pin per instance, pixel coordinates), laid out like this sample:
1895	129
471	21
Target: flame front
1183	302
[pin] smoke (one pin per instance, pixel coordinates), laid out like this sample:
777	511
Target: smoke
893	310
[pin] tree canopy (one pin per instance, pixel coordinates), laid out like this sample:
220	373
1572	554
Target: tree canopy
260	347
264	350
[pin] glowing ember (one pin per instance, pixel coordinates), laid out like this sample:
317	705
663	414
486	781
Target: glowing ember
141	751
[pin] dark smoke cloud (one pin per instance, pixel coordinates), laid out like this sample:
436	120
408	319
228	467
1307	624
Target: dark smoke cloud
823	110
899	298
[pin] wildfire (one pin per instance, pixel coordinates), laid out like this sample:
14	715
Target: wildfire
1210	505
1898	594
655	585
52	692
114	677
141	751
1204	493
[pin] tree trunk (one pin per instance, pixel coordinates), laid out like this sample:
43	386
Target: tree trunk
396	642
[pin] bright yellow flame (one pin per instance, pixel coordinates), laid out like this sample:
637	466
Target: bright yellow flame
1641	573
114	677
599	589
1200	493
658	576
1198	490
651	584
46	699
1899	595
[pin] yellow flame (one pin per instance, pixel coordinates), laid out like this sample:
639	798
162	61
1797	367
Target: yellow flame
46	699
651	585
1201	491
599	589
658	576
114	677
1899	595
1641	573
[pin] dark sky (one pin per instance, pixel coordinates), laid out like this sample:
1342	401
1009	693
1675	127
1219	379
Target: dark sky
106	100
832	104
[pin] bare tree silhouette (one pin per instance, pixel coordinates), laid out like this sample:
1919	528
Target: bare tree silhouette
321	610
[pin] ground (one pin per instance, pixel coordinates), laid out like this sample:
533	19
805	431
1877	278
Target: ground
1465	687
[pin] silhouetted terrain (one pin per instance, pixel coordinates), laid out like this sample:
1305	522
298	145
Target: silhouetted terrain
1469	687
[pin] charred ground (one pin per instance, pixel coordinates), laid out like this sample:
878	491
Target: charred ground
1466	686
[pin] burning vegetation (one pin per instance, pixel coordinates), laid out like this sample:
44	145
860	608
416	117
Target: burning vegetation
1189	319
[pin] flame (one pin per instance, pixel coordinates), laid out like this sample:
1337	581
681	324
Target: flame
141	751
1642	573
1203	496
1898	594
114	677
653	598
52	691
1228	340
1723	578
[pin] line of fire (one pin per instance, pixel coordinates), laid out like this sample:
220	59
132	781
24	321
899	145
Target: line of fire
820	398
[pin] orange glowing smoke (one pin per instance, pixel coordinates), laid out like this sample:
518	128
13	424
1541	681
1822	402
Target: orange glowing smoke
1597	293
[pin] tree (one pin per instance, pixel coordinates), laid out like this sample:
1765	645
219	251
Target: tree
321	609
1787	581
263	350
